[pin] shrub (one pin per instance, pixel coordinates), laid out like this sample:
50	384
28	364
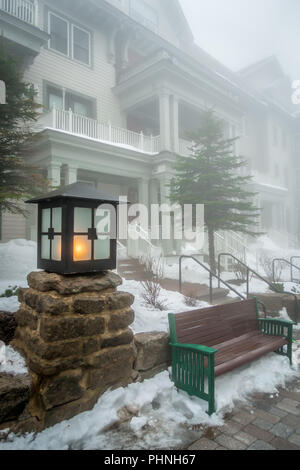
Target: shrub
10	292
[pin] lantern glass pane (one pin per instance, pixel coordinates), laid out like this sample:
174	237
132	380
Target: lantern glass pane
56	219
46	220
102	248
102	221
56	248
82	219
82	248
45	247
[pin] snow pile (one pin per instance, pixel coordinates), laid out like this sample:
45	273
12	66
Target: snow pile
18	259
159	416
148	318
14	363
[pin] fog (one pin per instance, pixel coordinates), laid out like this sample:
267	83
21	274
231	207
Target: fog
241	32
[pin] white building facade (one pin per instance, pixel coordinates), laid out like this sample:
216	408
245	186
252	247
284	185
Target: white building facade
121	83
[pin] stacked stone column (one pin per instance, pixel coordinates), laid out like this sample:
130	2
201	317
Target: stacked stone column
73	332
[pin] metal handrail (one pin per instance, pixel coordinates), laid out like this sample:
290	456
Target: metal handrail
291	261
281	260
250	270
211	275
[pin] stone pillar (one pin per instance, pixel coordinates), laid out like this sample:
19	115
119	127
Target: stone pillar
71	175
164	115
53	174
73	332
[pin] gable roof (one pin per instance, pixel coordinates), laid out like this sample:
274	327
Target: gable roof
272	63
176	6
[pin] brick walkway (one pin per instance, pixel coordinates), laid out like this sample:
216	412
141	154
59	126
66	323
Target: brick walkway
265	424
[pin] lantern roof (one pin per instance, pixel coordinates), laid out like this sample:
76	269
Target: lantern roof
76	191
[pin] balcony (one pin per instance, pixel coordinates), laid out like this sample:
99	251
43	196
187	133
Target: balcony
19	29
24	10
81	126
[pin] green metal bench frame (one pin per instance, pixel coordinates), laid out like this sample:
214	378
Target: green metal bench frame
192	364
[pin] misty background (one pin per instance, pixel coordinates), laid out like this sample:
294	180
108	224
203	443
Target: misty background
241	32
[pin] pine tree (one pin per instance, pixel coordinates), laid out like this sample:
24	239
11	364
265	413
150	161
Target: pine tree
210	176
18	180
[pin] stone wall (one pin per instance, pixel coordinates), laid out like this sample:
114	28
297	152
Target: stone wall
73	332
153	354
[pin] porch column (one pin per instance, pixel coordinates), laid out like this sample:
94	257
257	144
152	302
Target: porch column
143	188
164	116
167	245
71	175
143	198
175	124
53	174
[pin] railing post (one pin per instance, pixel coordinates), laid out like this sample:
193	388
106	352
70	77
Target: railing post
109	132
35	13
54	117
180	275
70	120
142	140
210	288
151	144
248	283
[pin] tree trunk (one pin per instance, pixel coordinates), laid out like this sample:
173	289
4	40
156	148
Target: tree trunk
211	251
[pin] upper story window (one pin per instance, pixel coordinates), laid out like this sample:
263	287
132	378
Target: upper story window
144	14
69	39
63	99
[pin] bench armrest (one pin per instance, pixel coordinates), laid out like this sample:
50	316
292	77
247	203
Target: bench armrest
195	347
279	321
275	327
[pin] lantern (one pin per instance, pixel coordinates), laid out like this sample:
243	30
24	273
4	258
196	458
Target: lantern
76	230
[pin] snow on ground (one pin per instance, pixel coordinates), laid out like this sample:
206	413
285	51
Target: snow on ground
148	318
163	416
14	363
18	259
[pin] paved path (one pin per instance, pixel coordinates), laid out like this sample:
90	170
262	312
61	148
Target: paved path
267	423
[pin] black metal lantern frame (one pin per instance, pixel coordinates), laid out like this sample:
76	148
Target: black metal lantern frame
68	240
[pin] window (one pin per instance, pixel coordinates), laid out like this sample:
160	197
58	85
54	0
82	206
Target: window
65	100
81	45
69	39
55	98
144	14
59	31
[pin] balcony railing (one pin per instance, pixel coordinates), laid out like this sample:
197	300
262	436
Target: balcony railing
79	125
185	147
24	10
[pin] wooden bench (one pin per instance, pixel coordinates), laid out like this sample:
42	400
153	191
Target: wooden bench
209	342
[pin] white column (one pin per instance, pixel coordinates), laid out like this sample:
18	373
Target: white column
143	198
164	114
175	124
53	174
71	175
143	184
